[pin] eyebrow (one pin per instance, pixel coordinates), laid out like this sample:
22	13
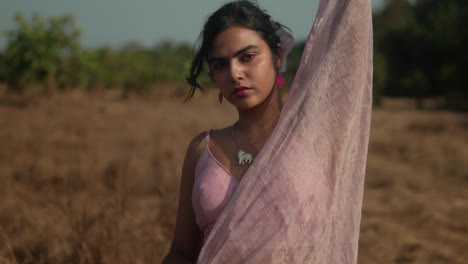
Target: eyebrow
249	47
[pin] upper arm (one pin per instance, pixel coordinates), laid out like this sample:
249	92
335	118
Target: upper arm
188	239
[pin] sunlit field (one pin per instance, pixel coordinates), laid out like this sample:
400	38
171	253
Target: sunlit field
93	178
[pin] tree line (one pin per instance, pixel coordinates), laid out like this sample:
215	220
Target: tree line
419	52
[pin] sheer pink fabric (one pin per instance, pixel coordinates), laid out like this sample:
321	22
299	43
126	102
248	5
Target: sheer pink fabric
300	201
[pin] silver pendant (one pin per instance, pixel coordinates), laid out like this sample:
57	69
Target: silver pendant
244	157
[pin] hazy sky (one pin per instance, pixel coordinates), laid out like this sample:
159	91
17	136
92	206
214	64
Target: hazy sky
115	22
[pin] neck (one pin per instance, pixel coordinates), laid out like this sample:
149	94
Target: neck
256	125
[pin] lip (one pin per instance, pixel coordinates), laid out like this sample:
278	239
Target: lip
240	90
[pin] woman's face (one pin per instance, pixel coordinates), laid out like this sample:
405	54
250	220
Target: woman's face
243	67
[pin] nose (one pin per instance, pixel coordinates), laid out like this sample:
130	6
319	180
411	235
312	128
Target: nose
235	70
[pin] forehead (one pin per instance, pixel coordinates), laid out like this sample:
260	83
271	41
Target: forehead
234	39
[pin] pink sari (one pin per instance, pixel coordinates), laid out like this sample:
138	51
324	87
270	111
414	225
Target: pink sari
300	201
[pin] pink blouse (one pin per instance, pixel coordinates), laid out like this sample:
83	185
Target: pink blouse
213	188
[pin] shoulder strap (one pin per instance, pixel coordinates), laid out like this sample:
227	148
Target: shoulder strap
207	137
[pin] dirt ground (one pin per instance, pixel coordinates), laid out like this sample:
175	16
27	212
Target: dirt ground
93	178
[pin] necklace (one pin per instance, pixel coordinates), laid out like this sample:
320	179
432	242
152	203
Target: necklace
243	158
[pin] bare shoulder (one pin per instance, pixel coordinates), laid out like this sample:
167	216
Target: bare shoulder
192	154
221	136
196	146
220	145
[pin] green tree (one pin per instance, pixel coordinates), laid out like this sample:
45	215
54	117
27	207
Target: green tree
422	43
445	22
399	37
41	50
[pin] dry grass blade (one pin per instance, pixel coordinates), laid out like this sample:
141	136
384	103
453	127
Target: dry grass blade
7	242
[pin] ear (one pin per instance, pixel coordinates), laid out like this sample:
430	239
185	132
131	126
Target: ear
279	57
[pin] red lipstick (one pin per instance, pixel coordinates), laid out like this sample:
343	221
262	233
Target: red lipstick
241	91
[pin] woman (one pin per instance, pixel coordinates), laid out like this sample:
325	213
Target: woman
244	54
283	184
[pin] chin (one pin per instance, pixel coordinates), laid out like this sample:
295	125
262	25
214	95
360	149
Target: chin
243	106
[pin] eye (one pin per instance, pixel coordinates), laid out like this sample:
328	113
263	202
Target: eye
218	65
247	57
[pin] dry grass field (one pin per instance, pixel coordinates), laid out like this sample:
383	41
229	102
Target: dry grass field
94	179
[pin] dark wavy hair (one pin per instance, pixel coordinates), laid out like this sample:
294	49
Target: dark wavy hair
238	13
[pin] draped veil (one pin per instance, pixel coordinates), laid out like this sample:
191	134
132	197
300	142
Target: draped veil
300	201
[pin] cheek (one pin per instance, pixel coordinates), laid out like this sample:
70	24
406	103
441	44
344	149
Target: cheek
265	72
218	77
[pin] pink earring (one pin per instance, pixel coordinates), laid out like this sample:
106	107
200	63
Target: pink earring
280	80
220	97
